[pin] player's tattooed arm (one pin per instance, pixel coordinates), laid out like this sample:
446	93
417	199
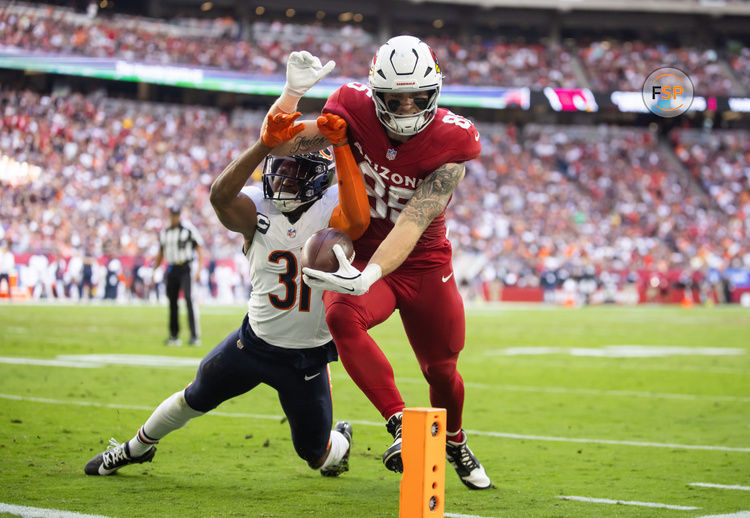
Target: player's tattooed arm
302	144
308	140
428	202
433	194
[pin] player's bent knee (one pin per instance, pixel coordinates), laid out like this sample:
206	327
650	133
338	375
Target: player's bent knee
342	317
314	458
198	401
317	464
440	372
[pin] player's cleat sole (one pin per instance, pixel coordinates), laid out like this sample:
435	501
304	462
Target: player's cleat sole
114	458
392	456
345	429
468	468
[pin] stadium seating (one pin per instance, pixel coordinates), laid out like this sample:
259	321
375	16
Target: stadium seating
492	60
541	198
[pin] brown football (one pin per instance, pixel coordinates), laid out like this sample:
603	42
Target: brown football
317	251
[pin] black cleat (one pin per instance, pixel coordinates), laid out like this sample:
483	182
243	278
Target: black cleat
345	429
468	468
115	457
392	456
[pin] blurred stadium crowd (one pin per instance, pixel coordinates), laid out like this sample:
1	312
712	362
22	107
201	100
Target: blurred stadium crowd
494	60
85	178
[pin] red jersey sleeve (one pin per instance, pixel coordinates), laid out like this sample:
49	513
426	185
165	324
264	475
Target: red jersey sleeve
457	136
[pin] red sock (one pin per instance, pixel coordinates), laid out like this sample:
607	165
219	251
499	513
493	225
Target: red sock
457	438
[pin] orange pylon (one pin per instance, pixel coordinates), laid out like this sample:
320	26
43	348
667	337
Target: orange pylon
423	453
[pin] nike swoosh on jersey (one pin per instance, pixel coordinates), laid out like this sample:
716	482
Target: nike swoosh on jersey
308	378
445	279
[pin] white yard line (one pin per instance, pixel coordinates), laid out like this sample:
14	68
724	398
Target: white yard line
626	502
719	486
38	512
371	423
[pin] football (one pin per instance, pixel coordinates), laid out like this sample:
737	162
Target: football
317	251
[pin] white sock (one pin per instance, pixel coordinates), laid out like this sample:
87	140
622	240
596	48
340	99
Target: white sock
171	414
339	447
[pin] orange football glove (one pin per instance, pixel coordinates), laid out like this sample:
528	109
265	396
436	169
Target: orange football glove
333	128
280	128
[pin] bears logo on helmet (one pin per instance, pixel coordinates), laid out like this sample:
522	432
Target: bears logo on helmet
293	181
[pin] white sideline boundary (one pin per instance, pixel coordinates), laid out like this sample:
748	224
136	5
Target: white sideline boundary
88	361
719	486
38	512
584	391
628	502
456	515
371	423
609	441
741	514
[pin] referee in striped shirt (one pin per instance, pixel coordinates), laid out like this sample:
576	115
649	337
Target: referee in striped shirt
179	244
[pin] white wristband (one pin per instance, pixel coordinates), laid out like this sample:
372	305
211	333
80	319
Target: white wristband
288	101
371	274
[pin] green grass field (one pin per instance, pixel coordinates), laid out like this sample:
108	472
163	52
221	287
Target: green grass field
581	417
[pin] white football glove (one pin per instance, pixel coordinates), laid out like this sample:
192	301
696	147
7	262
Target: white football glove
303	71
347	279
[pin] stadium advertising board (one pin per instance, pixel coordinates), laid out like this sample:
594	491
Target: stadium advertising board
633	102
571	99
496	98
229	81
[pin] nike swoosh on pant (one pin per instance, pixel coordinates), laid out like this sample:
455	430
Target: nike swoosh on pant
308	378
445	279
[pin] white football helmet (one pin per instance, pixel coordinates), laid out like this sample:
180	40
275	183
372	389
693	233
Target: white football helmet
405	64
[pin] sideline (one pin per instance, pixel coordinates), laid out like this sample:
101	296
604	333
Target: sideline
627	502
39	512
379	424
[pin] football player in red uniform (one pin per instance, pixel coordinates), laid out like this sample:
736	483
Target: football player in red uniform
412	156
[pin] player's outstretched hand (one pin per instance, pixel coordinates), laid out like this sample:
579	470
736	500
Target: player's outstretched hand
280	128
333	128
303	70
347	279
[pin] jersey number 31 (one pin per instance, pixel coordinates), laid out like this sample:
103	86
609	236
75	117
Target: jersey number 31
288	279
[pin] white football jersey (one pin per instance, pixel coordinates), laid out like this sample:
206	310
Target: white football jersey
282	310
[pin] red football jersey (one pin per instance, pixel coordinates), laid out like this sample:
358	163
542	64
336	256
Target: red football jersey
393	170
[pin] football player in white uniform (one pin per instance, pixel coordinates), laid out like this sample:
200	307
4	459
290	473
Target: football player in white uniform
283	341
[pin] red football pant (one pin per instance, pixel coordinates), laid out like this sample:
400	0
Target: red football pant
432	312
